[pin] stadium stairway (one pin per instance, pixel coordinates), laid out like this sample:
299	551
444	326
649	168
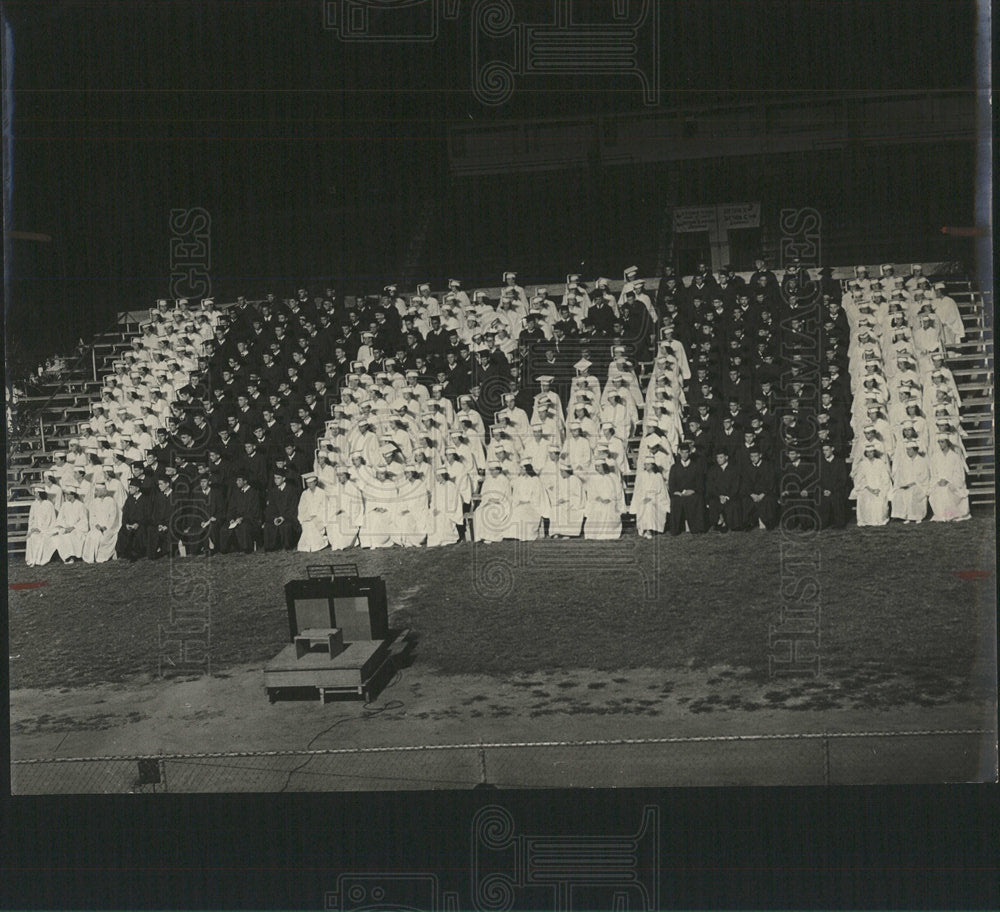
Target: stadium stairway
971	362
49	418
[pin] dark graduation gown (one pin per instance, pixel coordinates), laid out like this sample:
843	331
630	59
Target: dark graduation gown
161	514
690	508
833	506
132	542
761	479
799	489
256	469
284	505
243	505
725	482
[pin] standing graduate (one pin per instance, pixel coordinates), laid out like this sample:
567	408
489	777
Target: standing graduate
833	484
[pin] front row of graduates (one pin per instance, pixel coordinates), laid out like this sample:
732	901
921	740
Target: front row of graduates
905	487
374	509
77	530
729	495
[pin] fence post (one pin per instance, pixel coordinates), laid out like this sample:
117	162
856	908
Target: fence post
41	431
826	761
93	358
482	765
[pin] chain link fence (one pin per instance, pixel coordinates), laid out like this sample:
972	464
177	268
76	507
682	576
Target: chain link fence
833	758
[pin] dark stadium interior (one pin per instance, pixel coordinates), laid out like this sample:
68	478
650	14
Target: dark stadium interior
310	154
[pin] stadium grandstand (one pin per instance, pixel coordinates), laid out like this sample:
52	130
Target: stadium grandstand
595	408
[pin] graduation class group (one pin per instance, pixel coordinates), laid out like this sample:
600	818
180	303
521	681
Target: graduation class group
724	402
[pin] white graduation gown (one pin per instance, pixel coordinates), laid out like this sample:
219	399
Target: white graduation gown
98	545
73	526
952	327
445	514
492	516
650	501
41	539
910	477
413	516
579	454
605	505
380	517
345	507
312	518
872	508
568	505
529	503
949	501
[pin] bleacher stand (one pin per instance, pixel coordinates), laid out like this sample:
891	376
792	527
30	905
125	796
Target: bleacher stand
722	403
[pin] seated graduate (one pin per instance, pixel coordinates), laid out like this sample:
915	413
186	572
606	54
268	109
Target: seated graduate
242	528
650	498
312	515
40	543
281	513
686	484
724	494
605	502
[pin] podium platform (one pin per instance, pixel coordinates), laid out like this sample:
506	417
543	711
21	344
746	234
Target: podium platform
356	670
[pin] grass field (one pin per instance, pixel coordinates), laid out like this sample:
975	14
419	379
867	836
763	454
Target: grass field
902	619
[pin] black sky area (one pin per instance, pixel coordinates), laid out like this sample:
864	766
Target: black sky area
125	110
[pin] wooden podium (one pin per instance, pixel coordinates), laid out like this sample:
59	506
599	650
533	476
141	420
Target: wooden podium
318	656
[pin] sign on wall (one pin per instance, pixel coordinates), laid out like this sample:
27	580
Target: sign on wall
739	215
717	218
696	218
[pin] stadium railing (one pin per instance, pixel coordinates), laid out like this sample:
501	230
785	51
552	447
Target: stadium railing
822	758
